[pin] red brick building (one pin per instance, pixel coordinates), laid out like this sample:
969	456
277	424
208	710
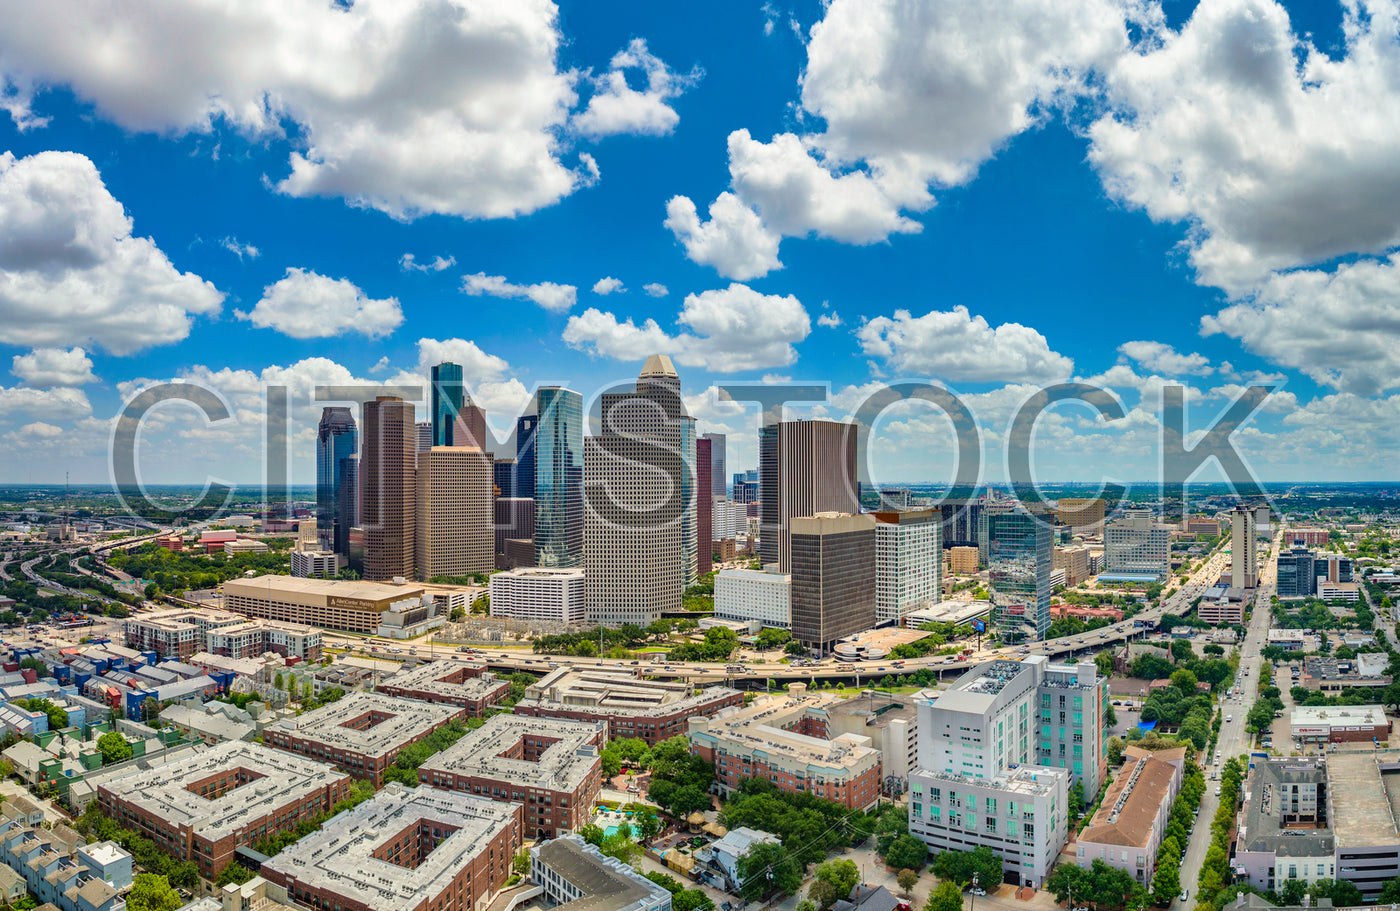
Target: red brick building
652	710
449	683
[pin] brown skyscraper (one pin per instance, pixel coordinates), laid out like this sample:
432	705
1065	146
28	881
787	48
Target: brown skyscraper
833	577
805	467
387	487
455	535
704	505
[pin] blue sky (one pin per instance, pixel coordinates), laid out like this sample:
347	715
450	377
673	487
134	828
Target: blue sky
990	197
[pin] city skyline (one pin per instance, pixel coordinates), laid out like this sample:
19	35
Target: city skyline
705	188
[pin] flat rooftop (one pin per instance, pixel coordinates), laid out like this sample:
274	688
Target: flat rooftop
278	779
877	710
1339	716
1263	829
429	678
616	690
762	726
346	724
607	884
1364	790
329	588
563	766
340	857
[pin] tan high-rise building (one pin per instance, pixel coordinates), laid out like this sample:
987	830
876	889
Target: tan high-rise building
387	487
963	561
1075	562
1083	516
456	512
1244	558
634	511
805	467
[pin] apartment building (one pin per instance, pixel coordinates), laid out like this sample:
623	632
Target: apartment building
651	710
1128	828
255	638
1137	544
176	633
445	682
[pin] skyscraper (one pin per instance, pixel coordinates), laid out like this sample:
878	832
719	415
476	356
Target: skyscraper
558	454
347	510
635	562
690	539
387	487
423	436
446	393
1244	556
717	464
504	471
833	577
1020	556
525	427
455	517
705	503
908	562
336	440
805	467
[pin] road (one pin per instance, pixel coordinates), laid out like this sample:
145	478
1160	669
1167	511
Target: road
1233	740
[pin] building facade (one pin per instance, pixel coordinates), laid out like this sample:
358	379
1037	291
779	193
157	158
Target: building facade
1020	559
558	455
1244	559
651	710
455	534
805	468
388	461
336	441
749	595
908	562
530	593
833	559
1137	543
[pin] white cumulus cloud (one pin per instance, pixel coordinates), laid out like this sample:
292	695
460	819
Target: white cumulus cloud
54	367
71	273
616	107
1165	359
608	285
240	249
734	241
306	304
409	263
553	297
655	289
955	345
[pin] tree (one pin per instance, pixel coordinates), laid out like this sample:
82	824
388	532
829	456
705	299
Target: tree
768	868
907	852
1185	681
835	880
946	896
234	873
150	892
1076	800
1390	892
520	864
591	833
1115	750
113	747
1181	650
1104	662
795	650
1148	666
1166	882
1110	717
907	880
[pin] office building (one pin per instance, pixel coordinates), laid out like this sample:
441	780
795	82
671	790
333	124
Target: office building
525	428
1083	516
347	512
788	740
204	805
833	561
539	594
361	733
551	766
805	468
388	493
908	562
320	563
754	596
690	517
455	533
1020	560
1075	562
704	506
446	394
515	520
404	849
1263	522
423	436
636	560
1136	544
576	876
962	560
998	753
1301	571
746	487
1244	560
336	441
503	476
558	453
445	682
1129	825
718	444
651	710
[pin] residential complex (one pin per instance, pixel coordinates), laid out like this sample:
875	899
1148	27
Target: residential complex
754	596
576	876
404	849
1128	828
255	638
1075	563
908	562
361	733
175	633
1284	825
1244	554
963	560
1084	516
206	804
550	766
536	593
652	710
788	740
467	686
323	564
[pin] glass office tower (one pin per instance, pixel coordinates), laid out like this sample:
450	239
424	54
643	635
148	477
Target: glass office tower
336	440
447	400
1020	555
559	478
525	428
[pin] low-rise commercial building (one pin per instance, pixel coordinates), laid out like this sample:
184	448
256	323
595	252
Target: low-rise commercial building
551	766
652	710
1331	675
788	739
1131	822
449	683
1339	724
554	594
204	805
326	603
576	876
746	595
361	733
405	849
1293	640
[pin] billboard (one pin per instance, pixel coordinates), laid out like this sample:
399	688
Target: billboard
979	625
